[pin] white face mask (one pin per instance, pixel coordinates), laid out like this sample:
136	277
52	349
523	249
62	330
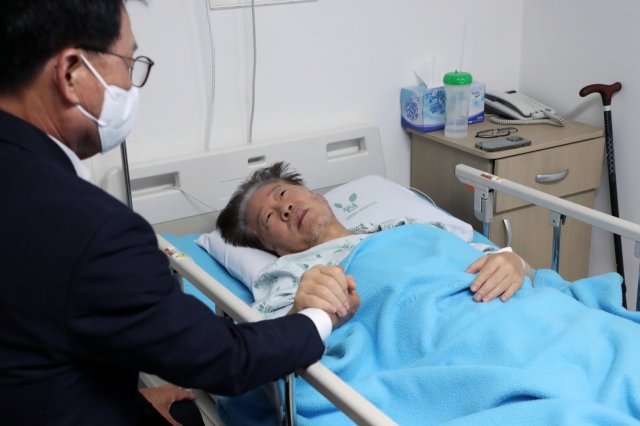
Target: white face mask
119	111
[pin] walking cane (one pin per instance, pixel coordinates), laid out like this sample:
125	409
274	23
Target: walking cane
607	92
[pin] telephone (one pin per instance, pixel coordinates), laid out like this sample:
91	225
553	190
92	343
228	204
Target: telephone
520	108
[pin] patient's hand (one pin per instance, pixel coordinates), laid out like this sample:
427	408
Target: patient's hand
329	289
354	304
500	274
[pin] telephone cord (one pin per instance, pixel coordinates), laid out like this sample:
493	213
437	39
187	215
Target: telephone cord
552	119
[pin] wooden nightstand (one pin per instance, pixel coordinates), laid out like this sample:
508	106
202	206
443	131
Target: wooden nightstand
577	147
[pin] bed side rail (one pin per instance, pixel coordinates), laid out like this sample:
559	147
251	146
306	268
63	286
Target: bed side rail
343	396
485	184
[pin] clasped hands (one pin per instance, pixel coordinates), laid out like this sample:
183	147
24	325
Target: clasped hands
330	289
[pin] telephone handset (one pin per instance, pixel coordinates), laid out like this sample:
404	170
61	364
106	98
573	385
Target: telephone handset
520	108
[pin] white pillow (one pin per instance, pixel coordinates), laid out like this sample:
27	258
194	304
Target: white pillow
374	199
371	199
243	263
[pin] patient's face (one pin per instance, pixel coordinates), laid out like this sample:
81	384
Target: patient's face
289	218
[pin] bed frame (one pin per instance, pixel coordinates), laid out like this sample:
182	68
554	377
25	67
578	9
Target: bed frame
325	159
485	185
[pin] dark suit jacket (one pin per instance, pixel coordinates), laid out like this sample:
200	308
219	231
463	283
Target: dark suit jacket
87	301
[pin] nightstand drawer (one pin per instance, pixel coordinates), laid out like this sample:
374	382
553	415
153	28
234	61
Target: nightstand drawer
580	162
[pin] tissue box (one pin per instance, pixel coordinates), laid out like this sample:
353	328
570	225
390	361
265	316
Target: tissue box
423	108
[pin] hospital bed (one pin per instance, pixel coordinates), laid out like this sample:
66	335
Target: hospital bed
347	154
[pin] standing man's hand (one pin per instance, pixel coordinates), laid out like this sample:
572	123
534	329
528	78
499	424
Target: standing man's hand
162	397
330	289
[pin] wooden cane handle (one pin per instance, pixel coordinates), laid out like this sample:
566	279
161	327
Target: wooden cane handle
606	91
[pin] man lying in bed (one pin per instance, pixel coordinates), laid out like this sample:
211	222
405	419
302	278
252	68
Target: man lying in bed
274	212
420	348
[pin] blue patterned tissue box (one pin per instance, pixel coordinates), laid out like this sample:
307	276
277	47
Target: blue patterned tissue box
423	108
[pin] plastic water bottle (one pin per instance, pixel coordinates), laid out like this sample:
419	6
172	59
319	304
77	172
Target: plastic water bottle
457	91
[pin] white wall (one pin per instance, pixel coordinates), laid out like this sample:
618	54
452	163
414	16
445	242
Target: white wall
567	45
320	65
176	100
334	62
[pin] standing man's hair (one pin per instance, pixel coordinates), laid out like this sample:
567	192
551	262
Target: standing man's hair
232	221
32	31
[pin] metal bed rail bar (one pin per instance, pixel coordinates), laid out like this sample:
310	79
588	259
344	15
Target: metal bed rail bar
343	396
485	184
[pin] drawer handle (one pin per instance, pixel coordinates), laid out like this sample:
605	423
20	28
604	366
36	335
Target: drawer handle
552	178
507	227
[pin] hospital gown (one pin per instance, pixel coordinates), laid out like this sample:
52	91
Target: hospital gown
278	283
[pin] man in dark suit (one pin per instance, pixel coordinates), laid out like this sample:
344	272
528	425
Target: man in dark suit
86	298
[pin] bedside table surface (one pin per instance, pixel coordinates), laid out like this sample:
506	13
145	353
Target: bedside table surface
542	136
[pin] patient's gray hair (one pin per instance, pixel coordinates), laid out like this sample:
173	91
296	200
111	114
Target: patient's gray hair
232	221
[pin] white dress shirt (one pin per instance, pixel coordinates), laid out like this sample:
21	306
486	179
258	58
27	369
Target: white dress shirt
81	170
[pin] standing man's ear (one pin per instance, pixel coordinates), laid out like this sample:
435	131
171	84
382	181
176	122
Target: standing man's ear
66	73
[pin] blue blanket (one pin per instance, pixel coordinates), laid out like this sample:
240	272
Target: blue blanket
424	352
